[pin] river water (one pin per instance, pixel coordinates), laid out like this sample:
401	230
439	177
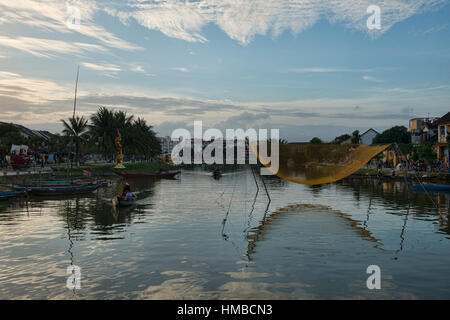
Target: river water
201	238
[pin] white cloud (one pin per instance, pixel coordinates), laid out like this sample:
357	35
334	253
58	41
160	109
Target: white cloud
101	67
181	69
52	16
243	20
137	69
46	47
371	79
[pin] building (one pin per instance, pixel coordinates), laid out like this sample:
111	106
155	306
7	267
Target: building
167	145
367	137
31	134
423	130
443	129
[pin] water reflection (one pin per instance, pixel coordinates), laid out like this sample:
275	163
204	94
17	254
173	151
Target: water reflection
197	237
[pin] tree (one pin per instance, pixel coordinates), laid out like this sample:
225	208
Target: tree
76	128
356	137
102	128
316	140
10	135
397	134
340	139
425	152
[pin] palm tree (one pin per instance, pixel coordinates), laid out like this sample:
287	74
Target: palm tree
76	128
102	127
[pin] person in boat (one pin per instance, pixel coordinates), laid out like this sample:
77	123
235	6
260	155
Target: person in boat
127	191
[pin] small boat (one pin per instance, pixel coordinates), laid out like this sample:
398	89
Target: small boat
58	190
431	187
161	175
126	201
9	195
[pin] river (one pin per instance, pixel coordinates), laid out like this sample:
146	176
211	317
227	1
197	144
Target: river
201	238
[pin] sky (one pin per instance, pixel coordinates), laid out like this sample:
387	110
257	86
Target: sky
307	67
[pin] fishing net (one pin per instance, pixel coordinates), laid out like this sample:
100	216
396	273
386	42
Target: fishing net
314	164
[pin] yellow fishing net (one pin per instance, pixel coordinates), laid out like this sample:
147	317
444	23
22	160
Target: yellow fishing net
314	164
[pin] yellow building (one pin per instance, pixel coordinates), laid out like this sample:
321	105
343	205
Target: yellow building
443	125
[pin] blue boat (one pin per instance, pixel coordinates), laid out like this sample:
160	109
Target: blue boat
431	187
8	195
59	190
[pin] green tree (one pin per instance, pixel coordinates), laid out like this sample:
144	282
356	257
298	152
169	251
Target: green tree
76	128
356	137
340	139
316	140
102	130
397	134
10	135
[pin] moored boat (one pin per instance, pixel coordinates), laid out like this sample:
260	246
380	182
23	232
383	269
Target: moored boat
63	183
431	187
58	190
161	175
9	195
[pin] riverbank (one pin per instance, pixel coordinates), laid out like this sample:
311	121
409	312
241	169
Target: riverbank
393	175
103	170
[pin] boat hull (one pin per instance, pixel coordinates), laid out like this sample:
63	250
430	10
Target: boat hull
169	175
122	202
431	187
4	196
58	191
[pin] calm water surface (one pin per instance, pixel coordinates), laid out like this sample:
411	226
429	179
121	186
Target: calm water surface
200	238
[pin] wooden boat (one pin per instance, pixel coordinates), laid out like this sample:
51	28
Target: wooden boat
161	175
64	183
126	202
58	190
431	187
9	195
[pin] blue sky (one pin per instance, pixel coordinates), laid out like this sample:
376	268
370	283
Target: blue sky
308	67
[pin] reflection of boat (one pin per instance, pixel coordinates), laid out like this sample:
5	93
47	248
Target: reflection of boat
59	190
126	201
431	187
217	174
9	195
161	175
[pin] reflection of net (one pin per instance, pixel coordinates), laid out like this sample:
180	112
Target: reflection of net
321	163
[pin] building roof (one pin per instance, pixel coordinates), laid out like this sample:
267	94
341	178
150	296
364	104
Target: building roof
29	133
370	130
443	120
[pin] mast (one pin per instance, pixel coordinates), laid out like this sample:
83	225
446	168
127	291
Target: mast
76	89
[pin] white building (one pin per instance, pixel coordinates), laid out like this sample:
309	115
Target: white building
167	144
367	137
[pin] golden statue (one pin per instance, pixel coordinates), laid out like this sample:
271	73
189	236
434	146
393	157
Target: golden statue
119	163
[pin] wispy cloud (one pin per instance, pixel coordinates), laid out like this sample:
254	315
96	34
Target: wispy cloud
52	16
180	69
371	79
243	20
48	48
137	69
436	29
